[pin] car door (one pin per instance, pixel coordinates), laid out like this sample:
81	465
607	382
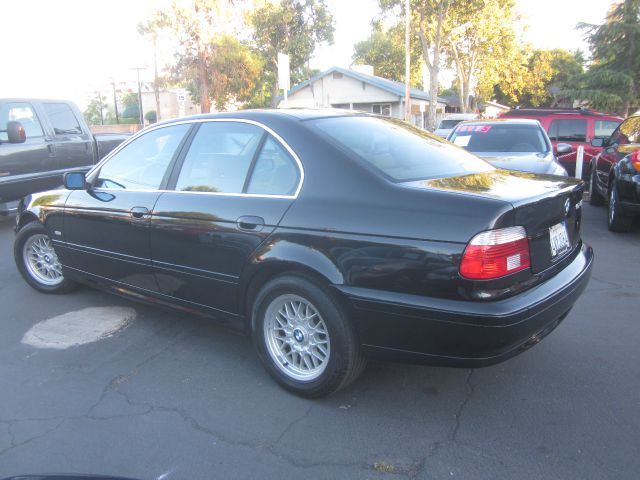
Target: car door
622	142
572	131
106	227
228	192
23	166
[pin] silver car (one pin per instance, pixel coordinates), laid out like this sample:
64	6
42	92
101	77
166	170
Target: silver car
512	144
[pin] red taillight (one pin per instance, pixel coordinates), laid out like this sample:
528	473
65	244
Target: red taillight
496	253
635	160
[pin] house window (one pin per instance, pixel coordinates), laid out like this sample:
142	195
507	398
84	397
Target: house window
383	109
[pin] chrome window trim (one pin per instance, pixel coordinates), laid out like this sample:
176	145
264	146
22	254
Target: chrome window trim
205	120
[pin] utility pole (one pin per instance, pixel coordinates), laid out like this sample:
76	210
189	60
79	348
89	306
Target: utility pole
407	61
115	100
137	69
100	105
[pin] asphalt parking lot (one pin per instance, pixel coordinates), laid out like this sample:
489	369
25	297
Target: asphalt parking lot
175	397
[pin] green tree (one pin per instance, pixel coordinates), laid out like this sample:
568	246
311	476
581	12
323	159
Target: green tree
233	72
97	112
384	50
432	21
152	28
194	26
548	75
293	27
131	106
613	79
481	39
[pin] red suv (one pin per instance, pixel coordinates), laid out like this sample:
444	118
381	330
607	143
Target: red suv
578	126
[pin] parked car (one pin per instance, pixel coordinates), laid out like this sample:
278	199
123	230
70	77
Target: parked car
40	140
450	120
516	144
330	236
615	175
573	126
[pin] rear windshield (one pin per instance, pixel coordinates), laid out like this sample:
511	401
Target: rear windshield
397	149
445	124
500	138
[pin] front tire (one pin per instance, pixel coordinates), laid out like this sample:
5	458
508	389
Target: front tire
617	220
595	197
303	337
38	262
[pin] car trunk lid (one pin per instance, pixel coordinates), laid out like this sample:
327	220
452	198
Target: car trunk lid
549	207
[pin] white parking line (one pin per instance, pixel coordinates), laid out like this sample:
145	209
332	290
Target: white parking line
78	327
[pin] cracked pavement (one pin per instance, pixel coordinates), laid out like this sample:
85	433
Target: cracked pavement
182	398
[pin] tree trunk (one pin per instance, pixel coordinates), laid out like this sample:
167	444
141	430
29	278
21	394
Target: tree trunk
203	81
275	89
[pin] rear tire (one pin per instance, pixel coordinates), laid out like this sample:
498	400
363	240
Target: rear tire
617	220
303	337
37	261
595	197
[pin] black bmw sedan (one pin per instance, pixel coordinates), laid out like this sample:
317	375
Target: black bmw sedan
330	237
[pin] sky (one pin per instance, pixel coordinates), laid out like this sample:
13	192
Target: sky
69	49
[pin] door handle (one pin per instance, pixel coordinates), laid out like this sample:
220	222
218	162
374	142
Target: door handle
139	212
250	223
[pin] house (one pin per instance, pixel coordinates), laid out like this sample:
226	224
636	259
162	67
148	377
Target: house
358	89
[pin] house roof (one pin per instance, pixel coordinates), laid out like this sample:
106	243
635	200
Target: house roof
397	88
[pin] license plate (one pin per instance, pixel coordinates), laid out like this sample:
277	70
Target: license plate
559	239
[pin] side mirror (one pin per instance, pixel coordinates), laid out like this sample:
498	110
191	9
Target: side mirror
16	132
598	142
563	148
75	181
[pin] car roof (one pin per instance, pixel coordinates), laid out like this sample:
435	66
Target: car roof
266	114
559	112
503	121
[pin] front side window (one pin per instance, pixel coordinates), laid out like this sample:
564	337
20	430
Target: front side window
568	130
142	164
629	131
500	137
62	119
20	112
219	157
275	172
397	149
604	128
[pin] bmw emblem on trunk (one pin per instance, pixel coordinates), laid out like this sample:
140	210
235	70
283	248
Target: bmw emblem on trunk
567	207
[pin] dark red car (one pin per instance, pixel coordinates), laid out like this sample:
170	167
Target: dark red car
615	175
577	127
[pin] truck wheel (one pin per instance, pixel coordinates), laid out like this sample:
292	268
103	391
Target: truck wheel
595	197
617	220
37	261
303	337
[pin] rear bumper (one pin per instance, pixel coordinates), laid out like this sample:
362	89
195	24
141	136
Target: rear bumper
410	328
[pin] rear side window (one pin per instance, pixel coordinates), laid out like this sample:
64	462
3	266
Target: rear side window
62	119
20	112
573	130
501	138
219	157
275	172
604	128
142	164
398	150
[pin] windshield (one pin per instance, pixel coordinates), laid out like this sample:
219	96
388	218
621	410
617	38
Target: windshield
398	150
501	138
447	124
